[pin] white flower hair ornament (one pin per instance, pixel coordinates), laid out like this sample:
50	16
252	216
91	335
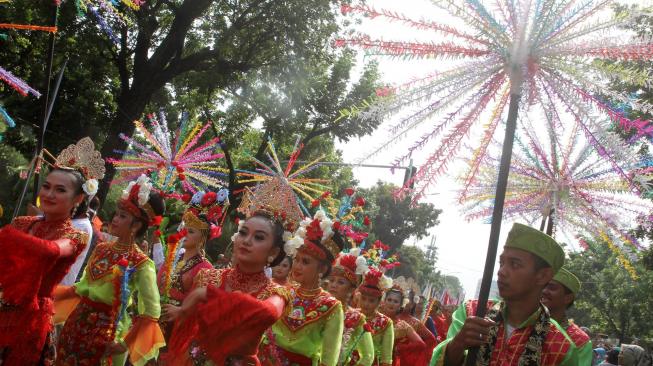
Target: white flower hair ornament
135	198
316	236
90	187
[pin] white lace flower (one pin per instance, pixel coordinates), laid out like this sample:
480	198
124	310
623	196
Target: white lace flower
320	215
301	232
90	187
125	192
361	266
292	245
385	282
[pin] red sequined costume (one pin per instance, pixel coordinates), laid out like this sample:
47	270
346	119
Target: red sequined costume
181	283
227	328
409	348
31	269
425	334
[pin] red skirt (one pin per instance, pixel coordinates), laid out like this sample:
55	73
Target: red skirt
86	334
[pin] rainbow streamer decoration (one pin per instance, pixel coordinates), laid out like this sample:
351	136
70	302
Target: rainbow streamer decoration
569	174
173	160
559	55
17	84
108	15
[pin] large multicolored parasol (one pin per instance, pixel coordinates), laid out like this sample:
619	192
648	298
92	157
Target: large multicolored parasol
174	161
494	60
559	55
563	177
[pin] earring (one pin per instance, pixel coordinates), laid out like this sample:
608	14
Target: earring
320	275
270	260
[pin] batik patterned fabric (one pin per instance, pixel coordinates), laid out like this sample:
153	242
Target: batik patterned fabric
516	350
87	334
310	329
143	337
31	269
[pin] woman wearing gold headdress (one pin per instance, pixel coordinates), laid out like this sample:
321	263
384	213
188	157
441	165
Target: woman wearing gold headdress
222	321
37	252
100	329
310	331
175	279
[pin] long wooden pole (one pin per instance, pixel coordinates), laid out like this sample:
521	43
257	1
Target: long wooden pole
47	109
46	102
497	214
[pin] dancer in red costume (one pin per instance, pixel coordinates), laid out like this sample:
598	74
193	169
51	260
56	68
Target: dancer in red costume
223	320
37	252
202	221
409	347
422	331
281	271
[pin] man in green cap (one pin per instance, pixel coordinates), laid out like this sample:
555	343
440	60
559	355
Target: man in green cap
517	330
559	295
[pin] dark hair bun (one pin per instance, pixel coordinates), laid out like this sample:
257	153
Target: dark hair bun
157	204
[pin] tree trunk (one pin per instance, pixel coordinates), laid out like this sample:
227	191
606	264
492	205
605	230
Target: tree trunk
131	105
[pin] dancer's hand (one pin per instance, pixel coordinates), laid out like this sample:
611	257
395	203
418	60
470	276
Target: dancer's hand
170	312
196	296
116	348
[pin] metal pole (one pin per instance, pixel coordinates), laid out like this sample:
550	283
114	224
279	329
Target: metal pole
549	227
497	213
36	161
46	101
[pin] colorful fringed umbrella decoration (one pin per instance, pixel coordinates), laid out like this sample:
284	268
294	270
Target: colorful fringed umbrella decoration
307	188
559	56
17	84
174	161
108	14
565	174
5	121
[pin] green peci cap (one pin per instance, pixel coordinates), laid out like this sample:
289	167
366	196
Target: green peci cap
568	279
534	241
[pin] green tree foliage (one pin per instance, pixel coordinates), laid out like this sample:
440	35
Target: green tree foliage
610	301
395	220
190	52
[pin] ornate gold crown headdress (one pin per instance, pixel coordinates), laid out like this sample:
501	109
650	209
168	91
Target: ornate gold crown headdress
276	199
82	157
279	189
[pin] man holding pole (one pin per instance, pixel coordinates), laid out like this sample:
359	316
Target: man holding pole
519	329
558	296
